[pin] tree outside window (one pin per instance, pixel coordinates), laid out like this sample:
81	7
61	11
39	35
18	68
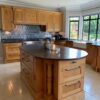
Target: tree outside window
91	27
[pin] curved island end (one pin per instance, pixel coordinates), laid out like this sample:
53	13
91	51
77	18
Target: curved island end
50	75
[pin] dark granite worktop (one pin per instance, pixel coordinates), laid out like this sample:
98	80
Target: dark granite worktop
20	40
38	50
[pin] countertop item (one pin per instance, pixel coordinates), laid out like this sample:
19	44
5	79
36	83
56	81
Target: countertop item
65	53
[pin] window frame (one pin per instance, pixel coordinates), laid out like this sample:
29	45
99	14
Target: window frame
97	26
78	26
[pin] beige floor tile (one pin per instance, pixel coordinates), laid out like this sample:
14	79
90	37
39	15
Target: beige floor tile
13	88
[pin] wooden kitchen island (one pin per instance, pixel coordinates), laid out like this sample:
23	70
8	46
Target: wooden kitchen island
51	76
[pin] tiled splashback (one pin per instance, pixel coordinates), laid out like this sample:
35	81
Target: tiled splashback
25	32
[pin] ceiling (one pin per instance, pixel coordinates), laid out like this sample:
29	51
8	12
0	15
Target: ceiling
69	4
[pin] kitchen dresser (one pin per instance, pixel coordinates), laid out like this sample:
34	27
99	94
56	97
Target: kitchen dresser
51	76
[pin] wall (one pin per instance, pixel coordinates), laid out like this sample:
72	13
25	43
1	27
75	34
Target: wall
91	11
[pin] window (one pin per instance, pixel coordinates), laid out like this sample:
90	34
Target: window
91	27
74	28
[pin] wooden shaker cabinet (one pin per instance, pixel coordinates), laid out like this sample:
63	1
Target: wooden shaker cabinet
18	15
6	16
11	52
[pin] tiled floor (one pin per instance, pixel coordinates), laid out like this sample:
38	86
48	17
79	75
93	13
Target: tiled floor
12	88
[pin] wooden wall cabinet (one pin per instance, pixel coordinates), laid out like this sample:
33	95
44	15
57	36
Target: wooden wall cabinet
54	22
30	16
11	52
18	15
41	17
24	16
6	16
50	24
58	21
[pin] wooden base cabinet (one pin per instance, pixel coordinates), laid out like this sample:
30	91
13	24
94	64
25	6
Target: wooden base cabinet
11	52
52	79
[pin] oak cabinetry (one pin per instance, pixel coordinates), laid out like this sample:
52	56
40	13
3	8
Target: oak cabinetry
30	16
19	15
92	55
70	77
70	88
58	21
98	59
54	22
71	70
42	17
6	18
32	74
11	52
24	16
69	43
52	79
62	43
50	23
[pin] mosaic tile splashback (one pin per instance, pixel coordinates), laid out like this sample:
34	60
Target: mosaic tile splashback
25	32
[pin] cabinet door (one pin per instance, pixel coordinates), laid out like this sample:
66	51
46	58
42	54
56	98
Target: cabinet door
30	16
18	15
12	51
50	24
7	18
58	20
41	17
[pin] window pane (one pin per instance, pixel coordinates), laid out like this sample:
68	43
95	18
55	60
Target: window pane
98	38
86	17
74	30
94	16
85	30
74	18
93	27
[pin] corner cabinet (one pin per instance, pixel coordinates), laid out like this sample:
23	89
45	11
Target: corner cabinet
54	22
6	16
58	21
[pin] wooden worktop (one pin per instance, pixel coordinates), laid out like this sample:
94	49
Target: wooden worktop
65	53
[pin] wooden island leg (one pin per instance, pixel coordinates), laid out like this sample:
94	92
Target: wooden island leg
48	80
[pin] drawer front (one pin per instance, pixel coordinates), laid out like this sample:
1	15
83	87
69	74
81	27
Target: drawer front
71	70
27	60
27	75
69	88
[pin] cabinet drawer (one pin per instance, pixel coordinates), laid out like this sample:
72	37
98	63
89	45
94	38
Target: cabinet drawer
71	70
27	59
69	88
27	75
